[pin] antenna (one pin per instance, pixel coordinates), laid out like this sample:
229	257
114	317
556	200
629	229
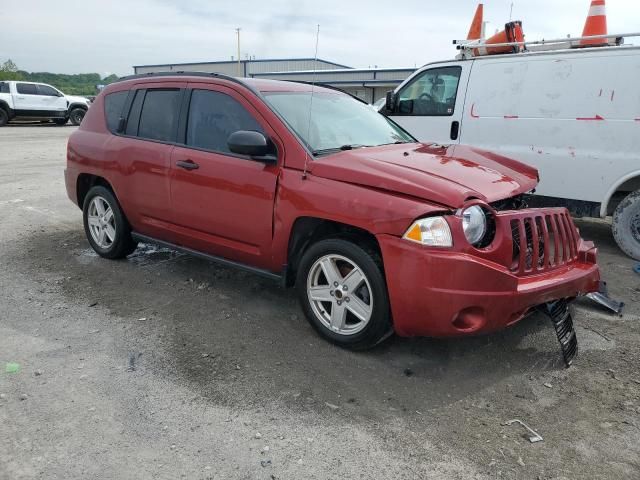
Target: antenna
239	72
313	84
511	12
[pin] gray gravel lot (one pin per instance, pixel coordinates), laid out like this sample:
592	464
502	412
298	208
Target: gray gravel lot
230	382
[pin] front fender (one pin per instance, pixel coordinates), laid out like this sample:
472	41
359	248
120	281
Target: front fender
375	211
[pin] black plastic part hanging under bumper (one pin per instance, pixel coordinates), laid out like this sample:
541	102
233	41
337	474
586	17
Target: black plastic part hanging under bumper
560	316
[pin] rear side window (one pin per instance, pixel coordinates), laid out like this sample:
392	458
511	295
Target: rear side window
213	116
26	88
113	104
4	87
47	91
159	116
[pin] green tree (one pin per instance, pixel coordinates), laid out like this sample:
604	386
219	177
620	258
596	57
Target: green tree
9	71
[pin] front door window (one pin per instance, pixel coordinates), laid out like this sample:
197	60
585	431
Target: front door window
433	93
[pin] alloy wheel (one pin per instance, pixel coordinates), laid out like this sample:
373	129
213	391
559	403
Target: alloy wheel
340	294
102	223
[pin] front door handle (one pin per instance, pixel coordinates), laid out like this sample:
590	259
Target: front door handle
455	130
187	164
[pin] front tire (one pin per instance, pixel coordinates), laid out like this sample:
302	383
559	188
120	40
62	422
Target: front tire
105	225
4	117
626	225
343	293
76	115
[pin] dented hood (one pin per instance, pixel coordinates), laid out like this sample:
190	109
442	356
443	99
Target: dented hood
444	174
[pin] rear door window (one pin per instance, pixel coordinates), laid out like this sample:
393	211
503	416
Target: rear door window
47	91
432	93
113	105
26	88
213	116
160	114
134	113
4	87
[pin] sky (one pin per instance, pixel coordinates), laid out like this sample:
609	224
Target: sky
111	36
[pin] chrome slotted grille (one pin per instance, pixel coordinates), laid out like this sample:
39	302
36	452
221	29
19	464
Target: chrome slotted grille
542	240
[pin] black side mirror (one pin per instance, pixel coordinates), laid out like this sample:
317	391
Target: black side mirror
391	101
253	144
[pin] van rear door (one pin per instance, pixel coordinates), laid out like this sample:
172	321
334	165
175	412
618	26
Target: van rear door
431	102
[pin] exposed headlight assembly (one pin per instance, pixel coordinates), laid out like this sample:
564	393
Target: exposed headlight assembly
432	231
474	224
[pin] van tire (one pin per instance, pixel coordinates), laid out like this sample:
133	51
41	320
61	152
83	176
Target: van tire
626	225
368	261
122	244
4	117
76	115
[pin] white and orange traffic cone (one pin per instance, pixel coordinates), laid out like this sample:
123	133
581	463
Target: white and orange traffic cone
512	33
475	32
596	24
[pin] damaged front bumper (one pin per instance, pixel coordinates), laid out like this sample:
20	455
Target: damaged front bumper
537	257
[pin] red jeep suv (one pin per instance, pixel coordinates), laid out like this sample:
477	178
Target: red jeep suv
309	186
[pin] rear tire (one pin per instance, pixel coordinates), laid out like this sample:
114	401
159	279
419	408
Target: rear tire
76	115
60	121
343	293
4	117
105	225
626	225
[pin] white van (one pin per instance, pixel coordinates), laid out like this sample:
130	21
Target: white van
572	113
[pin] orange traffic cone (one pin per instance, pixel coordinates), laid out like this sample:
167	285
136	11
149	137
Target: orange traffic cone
596	24
512	33
475	32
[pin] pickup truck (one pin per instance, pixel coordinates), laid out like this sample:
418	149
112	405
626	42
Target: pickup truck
378	232
38	101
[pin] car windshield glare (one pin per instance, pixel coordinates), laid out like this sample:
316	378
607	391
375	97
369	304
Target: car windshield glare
338	122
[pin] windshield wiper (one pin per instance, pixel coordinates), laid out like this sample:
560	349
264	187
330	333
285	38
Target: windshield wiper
324	151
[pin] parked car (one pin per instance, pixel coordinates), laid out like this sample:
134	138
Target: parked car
378	232
38	101
565	111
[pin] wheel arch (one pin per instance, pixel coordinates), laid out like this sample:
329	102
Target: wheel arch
5	106
307	230
86	181
625	185
73	106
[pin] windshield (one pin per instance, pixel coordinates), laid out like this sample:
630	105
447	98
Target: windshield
338	122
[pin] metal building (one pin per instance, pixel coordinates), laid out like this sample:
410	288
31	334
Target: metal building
242	68
368	84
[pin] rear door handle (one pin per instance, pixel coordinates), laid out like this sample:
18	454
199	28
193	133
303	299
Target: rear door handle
455	129
187	164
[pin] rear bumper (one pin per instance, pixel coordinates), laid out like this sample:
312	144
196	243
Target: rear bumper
441	293
71	182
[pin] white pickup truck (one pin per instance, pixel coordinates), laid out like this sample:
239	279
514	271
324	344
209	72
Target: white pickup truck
38	101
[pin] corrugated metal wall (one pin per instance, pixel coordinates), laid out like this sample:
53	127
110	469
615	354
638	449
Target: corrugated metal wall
231	68
286	66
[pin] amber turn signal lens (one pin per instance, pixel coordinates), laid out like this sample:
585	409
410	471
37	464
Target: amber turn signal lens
432	231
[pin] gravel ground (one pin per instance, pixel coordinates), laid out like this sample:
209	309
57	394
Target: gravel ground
165	366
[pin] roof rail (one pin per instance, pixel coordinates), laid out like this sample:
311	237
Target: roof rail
181	73
467	46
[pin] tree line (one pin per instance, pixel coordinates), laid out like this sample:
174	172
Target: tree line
76	84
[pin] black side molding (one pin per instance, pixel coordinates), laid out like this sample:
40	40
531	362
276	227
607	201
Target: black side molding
222	261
